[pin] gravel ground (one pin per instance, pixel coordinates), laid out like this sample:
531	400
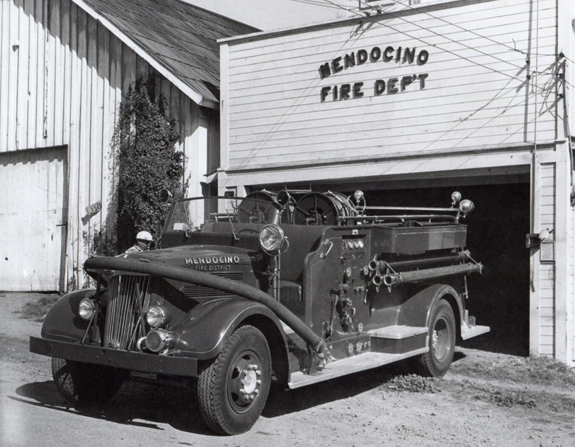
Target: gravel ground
477	403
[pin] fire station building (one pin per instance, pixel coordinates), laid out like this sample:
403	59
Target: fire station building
411	102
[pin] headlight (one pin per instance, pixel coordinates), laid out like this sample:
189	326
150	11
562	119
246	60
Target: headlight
272	238
87	309
157	316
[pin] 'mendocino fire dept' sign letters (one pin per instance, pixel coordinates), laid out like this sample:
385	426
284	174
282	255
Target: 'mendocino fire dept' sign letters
390	86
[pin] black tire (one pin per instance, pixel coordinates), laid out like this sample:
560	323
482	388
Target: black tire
85	384
233	390
436	362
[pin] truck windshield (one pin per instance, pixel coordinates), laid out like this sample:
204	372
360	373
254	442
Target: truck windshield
193	214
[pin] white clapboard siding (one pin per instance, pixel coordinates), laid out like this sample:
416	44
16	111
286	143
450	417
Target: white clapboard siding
547	296
476	92
61	77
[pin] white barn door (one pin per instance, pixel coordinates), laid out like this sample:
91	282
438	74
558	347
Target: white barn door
32	219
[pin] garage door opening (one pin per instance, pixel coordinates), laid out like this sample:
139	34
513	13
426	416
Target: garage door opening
496	237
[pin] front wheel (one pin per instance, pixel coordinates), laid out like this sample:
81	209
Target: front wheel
436	362
85	384
233	390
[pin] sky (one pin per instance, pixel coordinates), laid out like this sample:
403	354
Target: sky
269	15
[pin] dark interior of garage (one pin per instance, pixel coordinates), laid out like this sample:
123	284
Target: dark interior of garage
497	227
499	298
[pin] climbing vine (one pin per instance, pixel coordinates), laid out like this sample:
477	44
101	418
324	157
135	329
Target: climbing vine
146	163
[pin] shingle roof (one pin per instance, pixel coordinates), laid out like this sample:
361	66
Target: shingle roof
177	36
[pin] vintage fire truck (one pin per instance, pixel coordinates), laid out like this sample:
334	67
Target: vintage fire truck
295	287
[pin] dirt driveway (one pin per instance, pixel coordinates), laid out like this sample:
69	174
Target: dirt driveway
485	399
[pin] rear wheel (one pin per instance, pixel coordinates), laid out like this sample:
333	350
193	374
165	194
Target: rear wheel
233	390
85	384
436	362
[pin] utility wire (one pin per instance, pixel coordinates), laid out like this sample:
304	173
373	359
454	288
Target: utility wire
330	4
319	3
478	35
462	28
381	8
459	55
453	41
537	90
445	37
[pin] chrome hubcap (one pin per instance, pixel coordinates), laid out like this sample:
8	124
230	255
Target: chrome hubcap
245	382
440	340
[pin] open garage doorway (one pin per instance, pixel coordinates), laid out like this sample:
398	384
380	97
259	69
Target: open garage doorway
496	237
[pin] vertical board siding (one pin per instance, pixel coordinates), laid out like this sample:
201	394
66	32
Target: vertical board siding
61	77
547	296
22	94
476	92
571	282
34	178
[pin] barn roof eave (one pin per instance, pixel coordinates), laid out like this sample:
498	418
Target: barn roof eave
168	74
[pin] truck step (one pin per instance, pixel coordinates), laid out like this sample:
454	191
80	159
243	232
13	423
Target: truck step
398	332
473	331
349	365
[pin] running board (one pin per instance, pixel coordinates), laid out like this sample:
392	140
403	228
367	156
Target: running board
468	332
349	365
398	332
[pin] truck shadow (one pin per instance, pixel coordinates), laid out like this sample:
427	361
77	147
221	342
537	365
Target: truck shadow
282	401
149	406
136	404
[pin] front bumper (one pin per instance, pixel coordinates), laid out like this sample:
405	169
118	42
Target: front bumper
136	361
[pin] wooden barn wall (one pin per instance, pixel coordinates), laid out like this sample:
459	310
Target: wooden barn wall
476	92
571	286
61	78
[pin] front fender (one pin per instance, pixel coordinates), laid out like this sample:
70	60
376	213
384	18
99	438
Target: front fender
206	327
63	322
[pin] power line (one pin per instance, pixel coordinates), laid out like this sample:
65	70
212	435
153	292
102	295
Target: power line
330	4
444	37
319	3
514	48
461	28
453	41
538	90
459	55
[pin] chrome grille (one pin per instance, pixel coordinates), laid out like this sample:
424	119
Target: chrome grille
198	292
127	305
236	276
